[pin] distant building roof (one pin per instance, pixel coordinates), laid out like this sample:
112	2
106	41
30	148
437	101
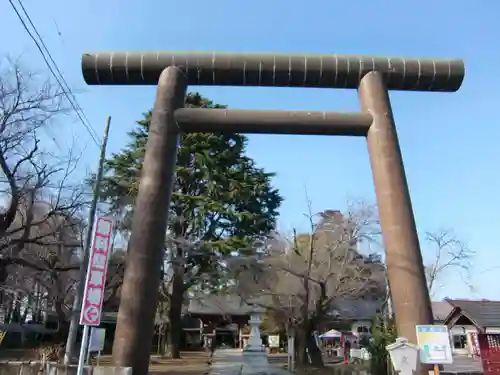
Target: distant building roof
34	328
212	304
367	309
356	309
482	313
352	309
440	310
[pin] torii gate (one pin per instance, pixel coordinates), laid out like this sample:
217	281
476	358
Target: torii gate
172	72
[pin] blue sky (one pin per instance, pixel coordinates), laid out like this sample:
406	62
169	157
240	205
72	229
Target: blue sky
449	141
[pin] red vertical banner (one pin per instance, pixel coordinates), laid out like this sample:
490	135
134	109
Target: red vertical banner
96	272
489	347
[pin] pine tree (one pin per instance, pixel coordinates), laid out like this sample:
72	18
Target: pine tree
221	203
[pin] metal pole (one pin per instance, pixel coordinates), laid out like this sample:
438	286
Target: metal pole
83	348
87	356
75	314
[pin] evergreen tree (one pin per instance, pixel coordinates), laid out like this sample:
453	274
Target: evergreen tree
221	203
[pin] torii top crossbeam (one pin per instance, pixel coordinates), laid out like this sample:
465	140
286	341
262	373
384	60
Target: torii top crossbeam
267	69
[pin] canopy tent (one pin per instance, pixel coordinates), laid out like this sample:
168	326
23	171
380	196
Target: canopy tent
331	334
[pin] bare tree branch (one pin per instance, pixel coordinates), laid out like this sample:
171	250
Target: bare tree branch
300	279
42	221
449	254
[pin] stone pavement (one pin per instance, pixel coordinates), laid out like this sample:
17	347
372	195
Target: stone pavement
463	365
227	362
231	362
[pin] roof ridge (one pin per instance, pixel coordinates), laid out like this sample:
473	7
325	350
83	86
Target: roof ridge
451	300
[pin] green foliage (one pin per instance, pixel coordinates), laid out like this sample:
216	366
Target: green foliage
383	334
221	200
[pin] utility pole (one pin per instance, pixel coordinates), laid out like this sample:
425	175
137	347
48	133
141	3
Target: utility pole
75	314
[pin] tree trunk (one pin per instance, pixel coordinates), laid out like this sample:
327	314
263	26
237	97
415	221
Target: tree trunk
63	322
163	334
306	348
8	314
175	312
314	352
3	272
16	312
301	359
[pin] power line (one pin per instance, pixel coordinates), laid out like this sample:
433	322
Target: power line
60	79
68	88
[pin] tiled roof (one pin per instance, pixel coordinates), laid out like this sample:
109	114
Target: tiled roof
219	305
484	313
366	309
440	310
233	305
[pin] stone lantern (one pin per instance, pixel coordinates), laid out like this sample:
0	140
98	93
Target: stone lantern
254	353
254	343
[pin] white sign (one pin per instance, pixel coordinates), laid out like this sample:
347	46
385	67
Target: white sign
434	344
274	341
404	356
96	272
97	337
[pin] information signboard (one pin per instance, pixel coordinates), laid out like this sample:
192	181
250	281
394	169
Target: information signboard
96	272
434	344
274	341
97	339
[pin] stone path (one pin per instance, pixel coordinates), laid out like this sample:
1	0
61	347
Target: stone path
227	362
231	362
464	365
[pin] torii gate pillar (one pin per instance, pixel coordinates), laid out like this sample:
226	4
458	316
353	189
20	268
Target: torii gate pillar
373	76
395	210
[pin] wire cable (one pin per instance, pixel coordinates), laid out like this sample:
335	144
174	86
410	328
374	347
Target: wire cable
68	88
64	87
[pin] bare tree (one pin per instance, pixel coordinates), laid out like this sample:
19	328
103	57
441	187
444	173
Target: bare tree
48	259
30	170
26	107
40	224
447	254
300	278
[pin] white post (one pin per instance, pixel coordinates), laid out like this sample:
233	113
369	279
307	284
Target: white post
77	302
83	348
87	357
289	354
